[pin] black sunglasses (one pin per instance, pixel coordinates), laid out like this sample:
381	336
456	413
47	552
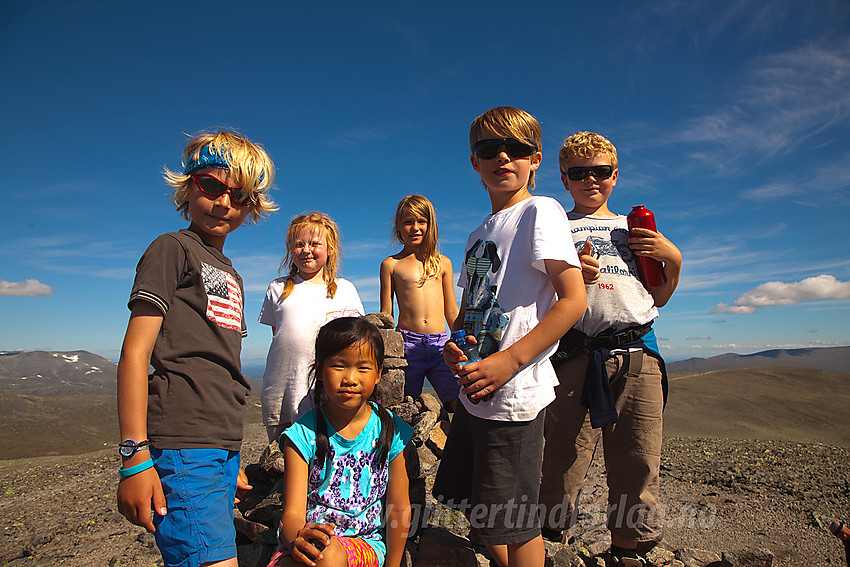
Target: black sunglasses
489	148
598	171
215	188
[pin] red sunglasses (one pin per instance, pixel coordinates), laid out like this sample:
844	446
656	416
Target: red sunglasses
215	188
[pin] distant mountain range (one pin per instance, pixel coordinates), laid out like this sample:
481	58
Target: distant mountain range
44	373
833	359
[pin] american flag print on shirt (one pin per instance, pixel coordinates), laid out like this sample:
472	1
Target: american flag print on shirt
224	298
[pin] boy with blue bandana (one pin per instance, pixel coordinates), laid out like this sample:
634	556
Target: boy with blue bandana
182	426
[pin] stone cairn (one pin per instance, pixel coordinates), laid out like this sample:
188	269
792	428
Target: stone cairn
438	536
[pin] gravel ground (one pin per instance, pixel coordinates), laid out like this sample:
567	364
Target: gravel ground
766	494
733	494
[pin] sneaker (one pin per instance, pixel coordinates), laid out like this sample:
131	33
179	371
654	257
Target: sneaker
553	535
627	561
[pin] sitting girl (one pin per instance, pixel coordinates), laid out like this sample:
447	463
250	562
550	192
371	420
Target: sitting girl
296	305
344	461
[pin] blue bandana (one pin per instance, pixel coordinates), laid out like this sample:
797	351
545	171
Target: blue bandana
206	159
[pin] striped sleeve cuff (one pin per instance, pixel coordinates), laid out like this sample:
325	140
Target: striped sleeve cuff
150	298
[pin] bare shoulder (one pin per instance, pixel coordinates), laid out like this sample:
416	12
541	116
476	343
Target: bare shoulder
389	263
445	264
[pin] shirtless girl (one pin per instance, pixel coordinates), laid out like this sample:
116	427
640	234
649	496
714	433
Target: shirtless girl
421	280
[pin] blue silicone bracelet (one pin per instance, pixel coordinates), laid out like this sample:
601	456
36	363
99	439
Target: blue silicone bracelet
130	471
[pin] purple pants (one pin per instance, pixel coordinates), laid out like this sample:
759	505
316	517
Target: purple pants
424	354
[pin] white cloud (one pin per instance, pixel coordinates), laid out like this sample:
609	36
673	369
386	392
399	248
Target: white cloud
31	288
368	289
784	100
830	180
770	294
357	137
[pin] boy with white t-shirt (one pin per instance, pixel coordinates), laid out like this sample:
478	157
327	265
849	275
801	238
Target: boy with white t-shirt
522	290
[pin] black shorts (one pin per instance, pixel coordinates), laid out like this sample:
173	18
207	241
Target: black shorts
490	470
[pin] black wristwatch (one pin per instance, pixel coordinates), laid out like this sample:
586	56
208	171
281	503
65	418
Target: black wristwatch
129	447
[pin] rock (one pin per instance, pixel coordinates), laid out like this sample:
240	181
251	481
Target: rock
262	484
390	390
381	320
754	558
426	459
407	410
393	343
660	556
394	362
419	512
440	548
147	540
272	459
422	429
436	441
248	531
254	555
565	557
696	557
269	510
600	546
431	403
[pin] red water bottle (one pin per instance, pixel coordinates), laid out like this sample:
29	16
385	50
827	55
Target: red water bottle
651	271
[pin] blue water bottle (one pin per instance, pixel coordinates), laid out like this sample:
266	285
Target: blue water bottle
470	351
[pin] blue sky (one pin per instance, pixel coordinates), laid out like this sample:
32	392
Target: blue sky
730	118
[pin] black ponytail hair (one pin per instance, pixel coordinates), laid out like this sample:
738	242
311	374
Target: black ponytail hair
334	337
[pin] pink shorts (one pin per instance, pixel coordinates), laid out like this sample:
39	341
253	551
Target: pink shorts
359	553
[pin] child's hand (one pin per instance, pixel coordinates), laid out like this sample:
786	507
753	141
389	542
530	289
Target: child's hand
645	242
136	494
479	379
242	486
454	356
304	550
589	264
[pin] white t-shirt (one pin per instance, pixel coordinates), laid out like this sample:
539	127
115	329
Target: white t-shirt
507	293
286	392
618	299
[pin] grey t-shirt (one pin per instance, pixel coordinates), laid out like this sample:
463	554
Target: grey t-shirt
196	394
618	299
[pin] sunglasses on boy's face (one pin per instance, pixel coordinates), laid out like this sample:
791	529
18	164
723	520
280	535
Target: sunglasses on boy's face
489	148
215	188
598	171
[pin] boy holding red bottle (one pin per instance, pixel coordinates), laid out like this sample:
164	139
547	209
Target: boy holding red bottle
612	379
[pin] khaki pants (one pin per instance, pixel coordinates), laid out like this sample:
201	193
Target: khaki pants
632	446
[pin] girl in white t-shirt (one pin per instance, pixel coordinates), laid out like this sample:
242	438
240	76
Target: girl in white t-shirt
295	307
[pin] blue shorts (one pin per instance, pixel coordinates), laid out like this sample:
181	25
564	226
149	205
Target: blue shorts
199	486
424	354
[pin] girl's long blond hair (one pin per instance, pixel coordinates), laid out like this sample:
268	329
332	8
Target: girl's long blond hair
430	247
326	226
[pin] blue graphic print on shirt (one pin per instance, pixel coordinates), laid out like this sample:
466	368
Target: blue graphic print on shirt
484	317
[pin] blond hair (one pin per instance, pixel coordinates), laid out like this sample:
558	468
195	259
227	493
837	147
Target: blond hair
250	166
430	247
586	145
324	225
507	122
